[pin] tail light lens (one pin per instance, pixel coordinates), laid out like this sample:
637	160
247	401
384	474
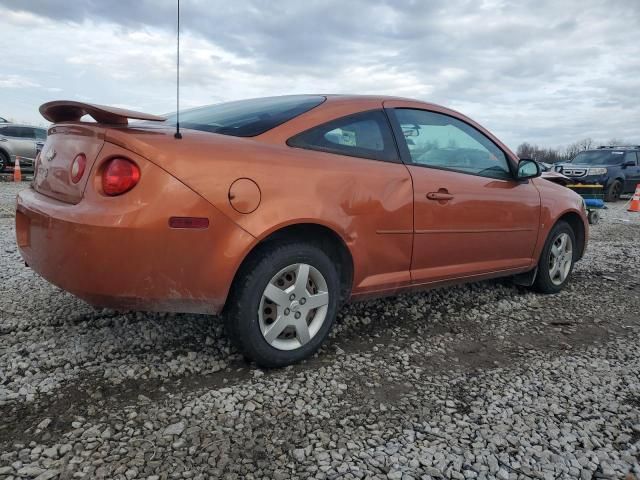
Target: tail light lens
77	167
119	176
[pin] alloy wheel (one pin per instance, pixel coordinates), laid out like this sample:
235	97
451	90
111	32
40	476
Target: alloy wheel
560	259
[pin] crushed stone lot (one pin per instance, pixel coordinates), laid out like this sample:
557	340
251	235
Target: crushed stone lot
482	381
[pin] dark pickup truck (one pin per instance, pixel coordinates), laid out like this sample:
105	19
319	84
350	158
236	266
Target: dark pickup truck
616	168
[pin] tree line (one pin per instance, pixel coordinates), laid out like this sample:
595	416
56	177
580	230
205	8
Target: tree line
561	154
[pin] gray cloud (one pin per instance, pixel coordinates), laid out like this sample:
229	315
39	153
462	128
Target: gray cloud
543	71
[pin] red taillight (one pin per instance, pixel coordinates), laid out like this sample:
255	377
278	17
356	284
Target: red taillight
77	167
119	176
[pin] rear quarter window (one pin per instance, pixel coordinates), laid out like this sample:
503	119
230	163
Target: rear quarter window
364	135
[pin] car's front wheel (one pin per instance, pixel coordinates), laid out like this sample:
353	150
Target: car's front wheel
614	191
557	259
283	304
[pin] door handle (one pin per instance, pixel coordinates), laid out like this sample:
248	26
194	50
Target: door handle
439	196
3	140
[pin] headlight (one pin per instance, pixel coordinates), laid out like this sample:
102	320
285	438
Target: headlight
597	171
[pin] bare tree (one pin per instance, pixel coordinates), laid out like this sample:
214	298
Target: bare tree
547	155
553	155
579	146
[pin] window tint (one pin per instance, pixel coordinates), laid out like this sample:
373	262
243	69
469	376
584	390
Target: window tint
246	118
365	135
41	134
27	132
10	131
17	132
441	141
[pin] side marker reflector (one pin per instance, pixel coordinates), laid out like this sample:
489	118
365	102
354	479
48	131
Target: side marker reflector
189	222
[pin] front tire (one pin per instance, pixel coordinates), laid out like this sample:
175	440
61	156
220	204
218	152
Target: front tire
557	259
283	304
614	191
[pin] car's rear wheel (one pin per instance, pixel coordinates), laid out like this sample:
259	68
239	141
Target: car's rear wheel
614	191
283	305
557	259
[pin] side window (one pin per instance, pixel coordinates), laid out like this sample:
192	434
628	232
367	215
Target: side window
441	141
366	135
10	132
26	132
40	134
631	156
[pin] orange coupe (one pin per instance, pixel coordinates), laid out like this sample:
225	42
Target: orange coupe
275	211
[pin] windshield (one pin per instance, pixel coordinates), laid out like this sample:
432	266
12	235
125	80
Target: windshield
246	118
599	157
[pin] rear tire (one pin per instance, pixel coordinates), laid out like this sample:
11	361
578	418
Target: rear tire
557	259
272	315
614	191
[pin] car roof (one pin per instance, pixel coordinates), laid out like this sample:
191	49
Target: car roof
613	148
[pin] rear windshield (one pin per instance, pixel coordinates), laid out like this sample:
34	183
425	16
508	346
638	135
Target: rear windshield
246	118
600	157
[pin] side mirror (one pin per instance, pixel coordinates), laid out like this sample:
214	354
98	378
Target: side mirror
628	163
528	168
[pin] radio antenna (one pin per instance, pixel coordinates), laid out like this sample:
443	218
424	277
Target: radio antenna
178	135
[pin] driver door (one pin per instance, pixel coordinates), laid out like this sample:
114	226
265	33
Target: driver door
471	217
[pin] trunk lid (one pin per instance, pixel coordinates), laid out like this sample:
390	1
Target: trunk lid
71	136
52	173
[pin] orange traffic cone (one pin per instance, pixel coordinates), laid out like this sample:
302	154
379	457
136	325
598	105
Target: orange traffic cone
634	205
17	173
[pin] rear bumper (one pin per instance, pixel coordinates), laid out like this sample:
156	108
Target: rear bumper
127	257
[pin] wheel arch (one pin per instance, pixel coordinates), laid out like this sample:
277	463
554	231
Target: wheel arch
324	237
576	223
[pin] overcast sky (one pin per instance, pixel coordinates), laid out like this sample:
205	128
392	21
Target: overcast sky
547	72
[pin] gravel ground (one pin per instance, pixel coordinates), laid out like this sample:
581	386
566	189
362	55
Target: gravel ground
480	381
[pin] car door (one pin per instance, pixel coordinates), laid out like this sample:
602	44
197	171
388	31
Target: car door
631	173
363	174
18	141
471	217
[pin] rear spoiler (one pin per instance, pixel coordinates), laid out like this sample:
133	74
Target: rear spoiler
70	111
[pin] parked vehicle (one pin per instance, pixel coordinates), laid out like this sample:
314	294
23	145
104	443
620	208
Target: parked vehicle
20	140
275	211
616	168
549	174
